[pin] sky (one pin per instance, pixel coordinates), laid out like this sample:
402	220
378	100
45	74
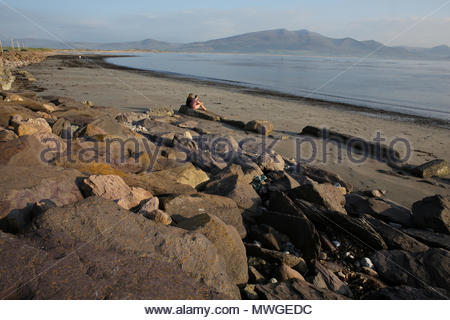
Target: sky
423	23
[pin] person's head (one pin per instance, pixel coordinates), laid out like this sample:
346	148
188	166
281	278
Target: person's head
190	95
196	96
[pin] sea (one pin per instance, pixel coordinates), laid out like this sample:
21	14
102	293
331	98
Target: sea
410	87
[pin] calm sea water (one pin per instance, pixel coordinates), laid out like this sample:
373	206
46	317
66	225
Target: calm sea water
410	87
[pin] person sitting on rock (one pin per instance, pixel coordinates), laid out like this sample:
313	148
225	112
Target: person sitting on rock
189	99
197	104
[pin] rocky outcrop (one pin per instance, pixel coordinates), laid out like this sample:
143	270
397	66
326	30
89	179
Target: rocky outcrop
21	187
107	227
190	205
227	241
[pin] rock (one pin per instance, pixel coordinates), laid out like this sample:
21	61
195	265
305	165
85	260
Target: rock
207	115
266	235
185	174
32	126
375	193
386	210
286	273
281	181
320	175
405	293
158	216
322	194
191	205
398	267
105	127
432	212
234	186
250	292
23	151
62	128
7	135
369	271
21	187
324	279
270	162
358	231
366	262
259	126
227	241
118	230
394	238
432	239
435	168
255	276
280	202
157	185
113	187
151	205
300	230
49	269
249	168
295	290
290	260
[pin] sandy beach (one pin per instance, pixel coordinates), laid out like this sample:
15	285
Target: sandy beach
90	78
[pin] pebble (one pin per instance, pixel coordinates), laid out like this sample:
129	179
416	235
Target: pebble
323	256
257	243
273	280
336	243
349	255
366	262
370	272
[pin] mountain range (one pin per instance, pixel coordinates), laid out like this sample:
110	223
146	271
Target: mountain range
270	41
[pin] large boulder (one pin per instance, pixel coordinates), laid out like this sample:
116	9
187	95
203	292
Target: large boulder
190	205
386	210
300	230
8	111
116	229
270	162
394	238
184	174
113	187
23	151
295	290
235	187
32	126
227	241
259	126
21	187
398	267
50	269
323	194
106	127
432	212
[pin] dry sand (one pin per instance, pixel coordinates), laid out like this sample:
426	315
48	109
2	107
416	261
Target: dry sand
139	90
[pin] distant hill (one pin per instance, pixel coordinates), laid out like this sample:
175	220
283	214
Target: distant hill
302	41
270	41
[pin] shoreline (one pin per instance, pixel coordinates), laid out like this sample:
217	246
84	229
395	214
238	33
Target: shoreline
100	60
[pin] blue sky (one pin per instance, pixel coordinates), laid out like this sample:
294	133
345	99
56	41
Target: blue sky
186	21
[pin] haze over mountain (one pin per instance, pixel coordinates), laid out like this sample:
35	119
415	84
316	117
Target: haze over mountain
270	41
